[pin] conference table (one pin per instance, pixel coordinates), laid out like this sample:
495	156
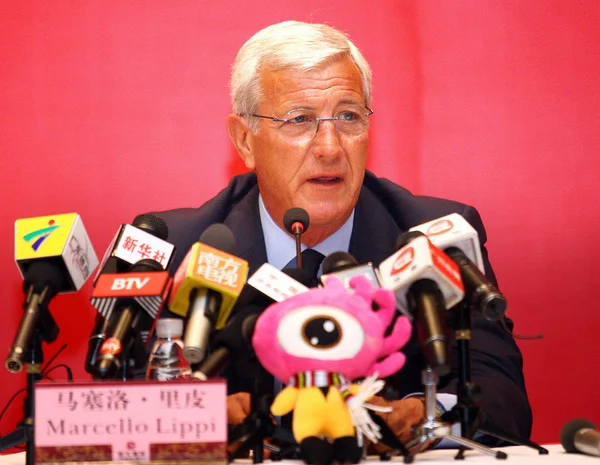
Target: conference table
516	455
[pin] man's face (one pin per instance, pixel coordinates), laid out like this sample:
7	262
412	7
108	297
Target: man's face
322	174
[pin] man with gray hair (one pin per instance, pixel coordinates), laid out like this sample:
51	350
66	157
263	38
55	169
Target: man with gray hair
300	123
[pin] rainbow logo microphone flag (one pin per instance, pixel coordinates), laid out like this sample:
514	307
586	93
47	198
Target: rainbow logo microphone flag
60	238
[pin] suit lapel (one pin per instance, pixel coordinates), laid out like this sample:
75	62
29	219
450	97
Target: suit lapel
374	231
374	236
244	222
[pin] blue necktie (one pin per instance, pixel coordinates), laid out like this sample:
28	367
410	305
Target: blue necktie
311	262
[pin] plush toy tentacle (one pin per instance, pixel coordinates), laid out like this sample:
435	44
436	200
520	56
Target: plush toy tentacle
387	305
389	365
399	337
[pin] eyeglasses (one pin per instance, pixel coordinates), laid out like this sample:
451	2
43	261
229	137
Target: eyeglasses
350	121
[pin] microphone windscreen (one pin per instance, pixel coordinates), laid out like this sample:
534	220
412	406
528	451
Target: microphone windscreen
338	261
44	273
296	215
146	264
152	224
568	432
406	237
219	237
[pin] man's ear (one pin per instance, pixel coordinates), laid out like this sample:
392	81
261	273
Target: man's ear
241	136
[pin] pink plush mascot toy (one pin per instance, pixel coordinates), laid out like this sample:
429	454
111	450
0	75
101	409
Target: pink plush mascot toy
317	343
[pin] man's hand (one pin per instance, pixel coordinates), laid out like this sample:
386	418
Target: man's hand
405	414
238	407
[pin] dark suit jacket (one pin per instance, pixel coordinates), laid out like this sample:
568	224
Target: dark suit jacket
383	211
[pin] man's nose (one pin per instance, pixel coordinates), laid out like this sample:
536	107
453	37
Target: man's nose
326	142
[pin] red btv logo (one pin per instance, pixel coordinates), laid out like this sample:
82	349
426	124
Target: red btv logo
403	261
111	346
439	227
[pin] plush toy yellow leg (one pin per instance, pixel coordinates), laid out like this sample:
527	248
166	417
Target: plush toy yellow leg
310	413
338	421
317	415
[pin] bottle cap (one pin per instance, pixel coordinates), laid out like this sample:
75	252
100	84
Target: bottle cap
169	327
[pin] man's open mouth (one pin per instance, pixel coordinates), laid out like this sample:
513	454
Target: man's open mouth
325	179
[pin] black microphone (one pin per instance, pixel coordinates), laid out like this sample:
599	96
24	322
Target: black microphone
581	436
146	229
417	272
145	237
132	301
235	338
482	294
296	222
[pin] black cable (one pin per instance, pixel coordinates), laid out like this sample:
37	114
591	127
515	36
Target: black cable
10	401
520	336
45	371
63	347
60	365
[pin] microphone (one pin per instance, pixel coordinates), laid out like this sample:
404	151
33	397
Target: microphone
296	222
453	234
426	282
54	255
344	266
236	336
581	436
206	286
131	303
144	238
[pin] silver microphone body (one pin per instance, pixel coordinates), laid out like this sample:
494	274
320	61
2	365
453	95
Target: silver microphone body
587	440
201	319
581	435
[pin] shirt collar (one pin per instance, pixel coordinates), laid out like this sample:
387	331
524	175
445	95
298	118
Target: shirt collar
281	247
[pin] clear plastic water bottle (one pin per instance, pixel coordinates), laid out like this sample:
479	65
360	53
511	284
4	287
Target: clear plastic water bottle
166	359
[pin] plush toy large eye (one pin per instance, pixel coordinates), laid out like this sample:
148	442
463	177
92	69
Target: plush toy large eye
320	331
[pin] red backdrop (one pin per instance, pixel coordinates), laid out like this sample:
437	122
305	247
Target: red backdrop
114	108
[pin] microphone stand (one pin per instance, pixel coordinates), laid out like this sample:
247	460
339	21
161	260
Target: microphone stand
390	439
467	409
433	428
24	430
258	426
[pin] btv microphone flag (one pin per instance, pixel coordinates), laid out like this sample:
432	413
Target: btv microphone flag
149	289
210	268
454	231
421	260
133	300
61	238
